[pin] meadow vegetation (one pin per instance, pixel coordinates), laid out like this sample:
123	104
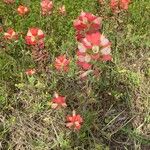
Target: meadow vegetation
114	103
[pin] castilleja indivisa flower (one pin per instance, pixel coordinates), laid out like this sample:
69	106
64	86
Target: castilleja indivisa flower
22	10
58	101
74	121
117	5
93	41
94	46
86	22
62	10
9	1
30	72
46	7
34	36
11	35
62	63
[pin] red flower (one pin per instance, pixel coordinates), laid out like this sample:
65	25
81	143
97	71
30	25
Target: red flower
92	48
9	1
22	10
95	41
62	63
58	101
10	35
34	36
62	10
74	121
86	22
46	6
30	72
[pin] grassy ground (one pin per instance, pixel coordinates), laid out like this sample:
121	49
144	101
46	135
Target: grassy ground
115	107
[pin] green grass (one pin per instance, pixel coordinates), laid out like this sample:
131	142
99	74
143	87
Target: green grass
115	107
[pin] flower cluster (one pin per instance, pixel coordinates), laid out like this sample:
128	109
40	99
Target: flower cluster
85	23
46	7
11	35
73	121
58	101
92	45
34	36
62	63
22	10
117	5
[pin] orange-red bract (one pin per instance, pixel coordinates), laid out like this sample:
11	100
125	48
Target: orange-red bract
74	121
